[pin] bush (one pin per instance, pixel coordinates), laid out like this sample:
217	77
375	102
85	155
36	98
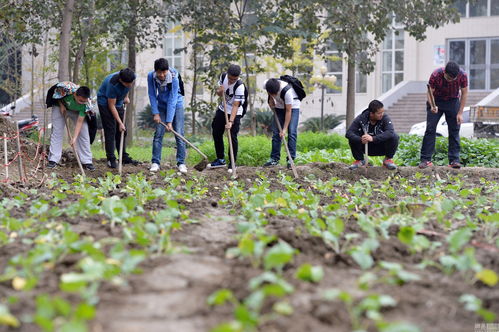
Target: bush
474	152
145	119
255	151
331	121
309	141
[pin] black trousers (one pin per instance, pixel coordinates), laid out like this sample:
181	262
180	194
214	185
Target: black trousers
112	134
218	131
386	148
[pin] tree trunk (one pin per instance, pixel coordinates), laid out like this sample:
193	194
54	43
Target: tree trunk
350	91
85	34
250	100
63	72
132	61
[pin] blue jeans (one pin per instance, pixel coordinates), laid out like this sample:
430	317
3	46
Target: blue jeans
178	126
450	109
292	133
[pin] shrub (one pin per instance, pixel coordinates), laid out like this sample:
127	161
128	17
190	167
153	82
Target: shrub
330	122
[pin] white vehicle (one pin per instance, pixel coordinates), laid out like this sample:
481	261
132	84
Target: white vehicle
442	130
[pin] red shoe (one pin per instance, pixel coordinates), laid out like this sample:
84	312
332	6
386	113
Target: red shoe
356	164
425	164
455	164
388	163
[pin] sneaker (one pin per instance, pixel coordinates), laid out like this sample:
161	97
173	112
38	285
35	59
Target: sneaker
425	164
356	164
217	163
88	167
112	163
388	163
455	164
271	162
51	164
154	167
130	161
182	168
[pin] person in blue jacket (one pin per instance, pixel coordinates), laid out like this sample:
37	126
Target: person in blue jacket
167	106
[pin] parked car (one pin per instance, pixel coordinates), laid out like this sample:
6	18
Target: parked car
465	131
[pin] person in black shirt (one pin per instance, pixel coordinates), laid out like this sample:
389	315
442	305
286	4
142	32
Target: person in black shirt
375	128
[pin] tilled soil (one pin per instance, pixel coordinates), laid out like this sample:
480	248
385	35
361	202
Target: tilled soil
171	293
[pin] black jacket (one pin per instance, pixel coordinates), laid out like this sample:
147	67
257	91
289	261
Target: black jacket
383	129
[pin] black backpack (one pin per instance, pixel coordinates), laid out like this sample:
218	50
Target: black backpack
181	85
238	83
295	84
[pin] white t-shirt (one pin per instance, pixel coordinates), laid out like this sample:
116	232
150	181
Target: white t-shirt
289	98
231	96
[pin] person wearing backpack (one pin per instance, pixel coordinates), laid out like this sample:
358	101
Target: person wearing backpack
69	100
166	94
236	95
284	97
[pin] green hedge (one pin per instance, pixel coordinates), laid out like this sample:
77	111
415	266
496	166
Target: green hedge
321	147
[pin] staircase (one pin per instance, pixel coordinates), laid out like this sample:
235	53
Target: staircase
410	109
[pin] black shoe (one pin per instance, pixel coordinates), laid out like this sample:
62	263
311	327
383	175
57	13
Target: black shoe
89	167
130	161
51	164
112	163
271	162
217	163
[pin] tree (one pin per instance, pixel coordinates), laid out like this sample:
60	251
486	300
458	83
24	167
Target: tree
67	18
138	24
240	30
358	27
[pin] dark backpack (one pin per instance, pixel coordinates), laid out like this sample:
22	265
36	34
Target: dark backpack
294	83
238	83
181	85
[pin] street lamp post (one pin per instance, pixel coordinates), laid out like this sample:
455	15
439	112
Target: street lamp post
324	80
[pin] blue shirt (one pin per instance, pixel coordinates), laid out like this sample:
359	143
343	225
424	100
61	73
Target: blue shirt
111	88
165	98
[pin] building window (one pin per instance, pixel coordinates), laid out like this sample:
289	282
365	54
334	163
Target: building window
477	8
392	54
173	44
480	59
334	65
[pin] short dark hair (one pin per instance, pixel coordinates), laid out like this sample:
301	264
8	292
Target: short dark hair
452	69
161	64
127	75
374	106
83	91
234	70
272	86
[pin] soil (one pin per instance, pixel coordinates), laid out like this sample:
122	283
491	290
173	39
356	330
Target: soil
170	294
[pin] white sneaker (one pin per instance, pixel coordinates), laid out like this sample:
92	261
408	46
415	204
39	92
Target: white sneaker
154	167
182	168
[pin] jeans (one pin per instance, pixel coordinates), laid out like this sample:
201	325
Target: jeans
386	148
178	126
112	134
218	130
450	109
292	133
